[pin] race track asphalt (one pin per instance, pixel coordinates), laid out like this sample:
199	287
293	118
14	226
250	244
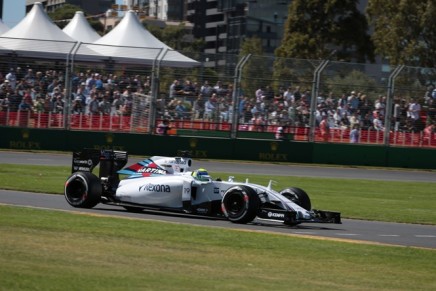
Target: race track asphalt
412	235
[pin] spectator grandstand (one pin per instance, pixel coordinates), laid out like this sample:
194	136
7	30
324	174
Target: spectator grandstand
122	102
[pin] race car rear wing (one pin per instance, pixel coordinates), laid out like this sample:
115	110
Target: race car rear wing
110	161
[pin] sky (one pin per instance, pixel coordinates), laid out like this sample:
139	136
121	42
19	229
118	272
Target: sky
15	10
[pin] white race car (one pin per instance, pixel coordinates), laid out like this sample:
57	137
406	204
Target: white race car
168	184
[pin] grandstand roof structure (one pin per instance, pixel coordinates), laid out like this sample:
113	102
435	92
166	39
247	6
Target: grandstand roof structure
80	29
3	27
37	36
131	42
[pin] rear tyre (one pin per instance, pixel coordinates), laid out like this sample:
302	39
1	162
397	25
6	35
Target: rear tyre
83	190
298	196
240	204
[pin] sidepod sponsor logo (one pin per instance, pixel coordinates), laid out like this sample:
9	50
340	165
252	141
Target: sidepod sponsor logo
275	215
155	188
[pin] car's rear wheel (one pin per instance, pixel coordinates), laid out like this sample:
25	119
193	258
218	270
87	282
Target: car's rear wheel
83	190
240	204
298	196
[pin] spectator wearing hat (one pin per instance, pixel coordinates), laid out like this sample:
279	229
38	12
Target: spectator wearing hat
11	78
4	87
77	107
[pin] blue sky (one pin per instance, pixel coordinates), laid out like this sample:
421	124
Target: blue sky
15	10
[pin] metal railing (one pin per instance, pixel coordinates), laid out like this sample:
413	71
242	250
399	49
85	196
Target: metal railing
318	87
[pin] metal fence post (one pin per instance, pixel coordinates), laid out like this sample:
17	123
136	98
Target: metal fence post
69	69
155	77
314	98
389	97
236	93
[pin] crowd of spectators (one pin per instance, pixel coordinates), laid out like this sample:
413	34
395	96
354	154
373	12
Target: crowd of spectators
291	107
109	94
92	93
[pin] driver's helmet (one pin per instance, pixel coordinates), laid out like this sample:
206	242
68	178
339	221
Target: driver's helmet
201	175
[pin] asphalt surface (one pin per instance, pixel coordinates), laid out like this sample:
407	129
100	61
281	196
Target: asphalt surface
299	170
411	235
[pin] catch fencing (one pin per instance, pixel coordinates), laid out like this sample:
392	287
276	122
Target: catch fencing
249	97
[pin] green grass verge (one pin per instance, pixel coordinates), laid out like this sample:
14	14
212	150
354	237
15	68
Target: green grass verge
393	201
51	250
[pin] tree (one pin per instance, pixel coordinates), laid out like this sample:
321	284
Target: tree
65	13
61	15
404	30
315	28
175	36
256	70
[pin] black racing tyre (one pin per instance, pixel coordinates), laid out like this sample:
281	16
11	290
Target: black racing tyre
298	196
240	204
83	190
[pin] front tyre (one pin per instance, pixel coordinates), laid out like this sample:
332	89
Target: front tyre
298	196
83	190
240	204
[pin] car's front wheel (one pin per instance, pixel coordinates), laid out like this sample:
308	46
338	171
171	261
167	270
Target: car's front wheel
240	204
83	190
298	196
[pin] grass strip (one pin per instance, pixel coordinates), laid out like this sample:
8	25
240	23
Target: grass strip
50	250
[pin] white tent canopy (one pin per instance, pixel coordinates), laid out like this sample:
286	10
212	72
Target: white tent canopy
130	41
36	35
80	29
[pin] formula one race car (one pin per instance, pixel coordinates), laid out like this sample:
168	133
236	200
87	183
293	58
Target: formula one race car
168	184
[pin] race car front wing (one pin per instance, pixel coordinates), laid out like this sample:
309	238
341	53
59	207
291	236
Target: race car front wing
290	217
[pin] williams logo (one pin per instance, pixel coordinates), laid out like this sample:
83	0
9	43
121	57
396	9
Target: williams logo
152	170
155	188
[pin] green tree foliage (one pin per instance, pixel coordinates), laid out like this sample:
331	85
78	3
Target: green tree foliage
256	71
353	81
315	28
178	38
404	30
64	14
